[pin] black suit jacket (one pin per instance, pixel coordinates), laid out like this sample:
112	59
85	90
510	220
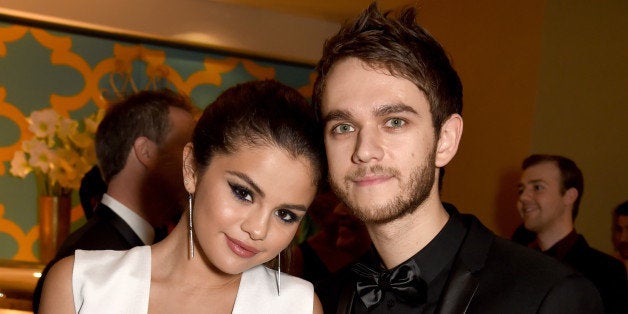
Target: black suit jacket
103	231
492	275
607	273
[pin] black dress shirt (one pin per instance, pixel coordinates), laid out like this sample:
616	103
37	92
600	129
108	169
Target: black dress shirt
434	262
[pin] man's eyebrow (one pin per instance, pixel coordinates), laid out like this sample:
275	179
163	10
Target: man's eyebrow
533	181
393	108
248	180
379	112
337	115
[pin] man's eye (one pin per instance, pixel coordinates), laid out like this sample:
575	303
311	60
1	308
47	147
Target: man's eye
395	123
538	188
342	128
241	192
286	215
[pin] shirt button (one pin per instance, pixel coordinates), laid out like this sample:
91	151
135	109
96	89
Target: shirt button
390	303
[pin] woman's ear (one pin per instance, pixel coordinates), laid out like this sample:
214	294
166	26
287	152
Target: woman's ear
449	139
189	168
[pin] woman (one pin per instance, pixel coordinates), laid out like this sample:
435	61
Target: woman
251	170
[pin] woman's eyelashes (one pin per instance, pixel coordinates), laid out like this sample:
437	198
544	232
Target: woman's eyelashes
241	193
287	216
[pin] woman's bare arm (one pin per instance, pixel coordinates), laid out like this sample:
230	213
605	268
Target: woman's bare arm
318	307
57	295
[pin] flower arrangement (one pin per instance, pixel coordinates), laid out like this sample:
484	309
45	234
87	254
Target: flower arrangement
59	153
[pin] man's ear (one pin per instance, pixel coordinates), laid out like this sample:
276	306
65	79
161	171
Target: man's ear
449	139
570	196
145	151
189	168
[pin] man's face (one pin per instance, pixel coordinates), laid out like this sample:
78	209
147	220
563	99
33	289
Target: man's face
379	140
620	235
541	203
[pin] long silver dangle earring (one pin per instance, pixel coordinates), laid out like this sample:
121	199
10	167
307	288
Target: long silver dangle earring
190	229
278	274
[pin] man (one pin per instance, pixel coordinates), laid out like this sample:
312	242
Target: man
550	191
139	145
620	231
390	104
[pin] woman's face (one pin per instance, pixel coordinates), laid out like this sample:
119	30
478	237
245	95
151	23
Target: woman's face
248	204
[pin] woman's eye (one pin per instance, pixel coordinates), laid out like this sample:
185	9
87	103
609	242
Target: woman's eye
395	123
241	192
342	128
286	216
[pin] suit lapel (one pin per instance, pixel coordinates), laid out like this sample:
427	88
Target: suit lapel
119	224
463	283
459	292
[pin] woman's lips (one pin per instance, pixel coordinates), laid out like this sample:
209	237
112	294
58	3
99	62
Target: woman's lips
241	249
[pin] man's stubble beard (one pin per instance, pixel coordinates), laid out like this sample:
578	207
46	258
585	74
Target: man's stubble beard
411	194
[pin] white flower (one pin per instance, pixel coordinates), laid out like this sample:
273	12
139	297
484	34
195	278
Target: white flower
41	158
59	153
19	165
43	123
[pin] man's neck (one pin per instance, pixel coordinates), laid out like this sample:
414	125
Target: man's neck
548	238
401	239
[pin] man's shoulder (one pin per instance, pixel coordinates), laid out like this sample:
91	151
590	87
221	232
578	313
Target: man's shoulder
98	233
581	252
503	255
604	270
525	278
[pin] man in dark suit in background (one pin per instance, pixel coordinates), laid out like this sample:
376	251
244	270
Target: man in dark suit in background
550	191
620	232
390	103
139	145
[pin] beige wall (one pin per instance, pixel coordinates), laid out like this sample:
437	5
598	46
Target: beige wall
496	48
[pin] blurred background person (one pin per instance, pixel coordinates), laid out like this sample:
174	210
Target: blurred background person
550	191
620	232
92	188
341	240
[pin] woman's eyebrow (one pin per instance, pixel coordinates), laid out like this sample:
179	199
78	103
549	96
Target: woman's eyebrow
248	180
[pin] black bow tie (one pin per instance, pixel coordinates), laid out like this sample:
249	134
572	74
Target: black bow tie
404	282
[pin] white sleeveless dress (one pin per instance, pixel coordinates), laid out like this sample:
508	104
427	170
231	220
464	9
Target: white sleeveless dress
119	282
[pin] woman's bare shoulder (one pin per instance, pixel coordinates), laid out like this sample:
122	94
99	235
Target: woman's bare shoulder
57	292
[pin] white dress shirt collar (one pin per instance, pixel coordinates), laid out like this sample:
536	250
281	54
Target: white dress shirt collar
141	227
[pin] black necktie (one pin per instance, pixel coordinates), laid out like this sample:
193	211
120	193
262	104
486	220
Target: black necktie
403	281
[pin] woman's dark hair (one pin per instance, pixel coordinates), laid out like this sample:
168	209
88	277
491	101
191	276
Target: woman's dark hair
259	113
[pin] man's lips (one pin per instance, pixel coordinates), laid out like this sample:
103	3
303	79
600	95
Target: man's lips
241	249
371	180
528	209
